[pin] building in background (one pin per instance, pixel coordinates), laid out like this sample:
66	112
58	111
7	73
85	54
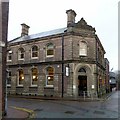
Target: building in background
62	62
4	8
113	81
107	78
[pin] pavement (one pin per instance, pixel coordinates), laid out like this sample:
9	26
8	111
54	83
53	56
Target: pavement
14	112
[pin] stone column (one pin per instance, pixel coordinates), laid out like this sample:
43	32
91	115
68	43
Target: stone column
4	7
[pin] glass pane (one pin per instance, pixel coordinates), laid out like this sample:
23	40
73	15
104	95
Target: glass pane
35	54
34	76
21	77
49	80
50	52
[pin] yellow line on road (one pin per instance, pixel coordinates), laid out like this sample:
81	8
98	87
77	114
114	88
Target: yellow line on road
30	112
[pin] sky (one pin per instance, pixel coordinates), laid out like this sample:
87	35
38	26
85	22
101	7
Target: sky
45	15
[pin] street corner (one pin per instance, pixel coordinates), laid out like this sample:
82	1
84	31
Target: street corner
18	112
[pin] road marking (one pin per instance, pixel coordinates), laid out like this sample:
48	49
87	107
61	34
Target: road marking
31	112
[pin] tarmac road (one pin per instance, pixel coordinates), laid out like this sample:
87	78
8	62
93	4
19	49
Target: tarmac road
68	109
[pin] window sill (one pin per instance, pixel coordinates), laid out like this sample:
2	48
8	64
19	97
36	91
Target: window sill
49	86
49	56
21	59
9	60
19	86
34	58
33	86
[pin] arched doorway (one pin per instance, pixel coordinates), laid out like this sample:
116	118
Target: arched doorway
82	81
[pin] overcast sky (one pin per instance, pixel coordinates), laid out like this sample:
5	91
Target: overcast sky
44	15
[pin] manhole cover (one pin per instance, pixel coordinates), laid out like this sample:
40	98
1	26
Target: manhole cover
69	112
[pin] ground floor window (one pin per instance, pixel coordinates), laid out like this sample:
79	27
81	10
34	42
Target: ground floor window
9	78
34	81
49	76
20	77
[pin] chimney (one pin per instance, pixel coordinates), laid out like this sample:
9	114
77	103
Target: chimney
25	29
70	17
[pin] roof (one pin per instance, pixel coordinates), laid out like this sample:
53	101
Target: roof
39	35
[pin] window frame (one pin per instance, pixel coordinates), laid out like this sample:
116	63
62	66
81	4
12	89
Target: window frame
9	77
20	52
83	49
48	75
9	54
32	57
18	81
34	85
47	49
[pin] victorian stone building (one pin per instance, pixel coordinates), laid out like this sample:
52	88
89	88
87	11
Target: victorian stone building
62	62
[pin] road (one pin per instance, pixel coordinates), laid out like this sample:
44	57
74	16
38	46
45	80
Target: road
69	109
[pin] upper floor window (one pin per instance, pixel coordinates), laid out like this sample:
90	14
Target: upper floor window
83	49
49	76
9	55
34	52
9	78
21	54
34	79
20	77
50	50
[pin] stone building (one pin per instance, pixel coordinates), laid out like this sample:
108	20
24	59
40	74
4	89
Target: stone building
107	77
62	62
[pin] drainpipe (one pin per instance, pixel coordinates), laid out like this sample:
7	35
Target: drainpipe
62	65
96	66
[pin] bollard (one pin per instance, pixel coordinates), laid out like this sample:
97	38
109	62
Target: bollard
84	94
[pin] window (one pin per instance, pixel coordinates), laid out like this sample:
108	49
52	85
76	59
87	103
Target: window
9	78
34	76
34	52
49	76
83	49
9	55
50	50
82	70
21	54
20	77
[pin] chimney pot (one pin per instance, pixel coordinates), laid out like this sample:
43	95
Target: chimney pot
71	14
25	29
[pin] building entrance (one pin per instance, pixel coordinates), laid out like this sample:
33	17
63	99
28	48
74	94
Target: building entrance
82	84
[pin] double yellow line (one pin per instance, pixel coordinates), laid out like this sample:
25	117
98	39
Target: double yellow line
30	112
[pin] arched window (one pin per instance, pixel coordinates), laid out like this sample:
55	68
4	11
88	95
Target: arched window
34	52
21	54
82	70
9	78
50	50
49	76
9	55
20	77
34	77
83	49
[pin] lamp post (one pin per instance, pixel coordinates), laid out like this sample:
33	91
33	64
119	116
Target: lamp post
4	9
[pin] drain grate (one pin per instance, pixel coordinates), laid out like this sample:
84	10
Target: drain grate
69	112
